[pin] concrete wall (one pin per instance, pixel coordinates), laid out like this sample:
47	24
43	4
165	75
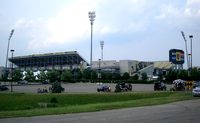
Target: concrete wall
128	66
105	64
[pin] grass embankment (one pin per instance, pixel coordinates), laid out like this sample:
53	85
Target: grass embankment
20	104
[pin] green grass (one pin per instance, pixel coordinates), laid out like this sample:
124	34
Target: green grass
20	104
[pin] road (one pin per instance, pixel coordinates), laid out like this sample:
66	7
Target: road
178	112
80	87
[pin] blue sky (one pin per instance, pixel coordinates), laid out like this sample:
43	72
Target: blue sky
131	29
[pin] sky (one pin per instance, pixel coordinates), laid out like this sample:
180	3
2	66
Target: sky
143	30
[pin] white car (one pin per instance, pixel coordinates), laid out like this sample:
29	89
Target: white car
22	82
196	91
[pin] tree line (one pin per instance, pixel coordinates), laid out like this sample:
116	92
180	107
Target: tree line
76	75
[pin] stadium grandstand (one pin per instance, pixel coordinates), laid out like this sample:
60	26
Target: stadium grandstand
58	61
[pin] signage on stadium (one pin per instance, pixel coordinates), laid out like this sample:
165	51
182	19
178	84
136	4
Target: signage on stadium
176	56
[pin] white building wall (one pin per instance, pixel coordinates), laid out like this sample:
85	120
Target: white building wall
105	64
128	66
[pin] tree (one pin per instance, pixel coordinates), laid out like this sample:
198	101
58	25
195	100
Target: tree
195	74
42	76
93	74
144	76
103	75
29	76
5	75
76	74
79	75
183	74
66	75
17	75
116	76
126	76
53	75
86	74
171	76
108	75
135	77
56	87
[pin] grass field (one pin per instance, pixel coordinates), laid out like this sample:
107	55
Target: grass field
21	104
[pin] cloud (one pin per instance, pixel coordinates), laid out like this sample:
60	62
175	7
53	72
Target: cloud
71	23
192	8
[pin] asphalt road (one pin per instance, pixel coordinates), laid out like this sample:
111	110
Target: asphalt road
80	87
178	112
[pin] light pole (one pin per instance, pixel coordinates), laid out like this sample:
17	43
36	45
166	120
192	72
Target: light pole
191	36
12	72
11	33
91	17
187	57
102	43
99	71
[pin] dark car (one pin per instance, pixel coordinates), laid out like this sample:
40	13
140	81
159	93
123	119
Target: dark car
104	88
123	87
159	86
45	82
3	88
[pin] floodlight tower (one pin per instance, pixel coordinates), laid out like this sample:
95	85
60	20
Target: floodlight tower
191	37
11	85
188	65
11	33
102	44
91	17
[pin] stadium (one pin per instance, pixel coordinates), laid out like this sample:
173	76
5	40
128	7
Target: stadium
48	61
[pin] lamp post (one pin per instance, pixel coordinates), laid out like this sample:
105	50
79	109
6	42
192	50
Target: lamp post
102	43
12	72
191	36
91	17
99	71
11	33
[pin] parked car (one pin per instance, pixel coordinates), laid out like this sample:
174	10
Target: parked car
196	84
159	86
196	91
123	87
3	88
104	88
22	82
45	82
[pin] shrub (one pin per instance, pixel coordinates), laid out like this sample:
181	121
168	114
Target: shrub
57	88
53	100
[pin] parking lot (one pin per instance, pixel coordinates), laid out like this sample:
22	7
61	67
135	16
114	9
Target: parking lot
79	87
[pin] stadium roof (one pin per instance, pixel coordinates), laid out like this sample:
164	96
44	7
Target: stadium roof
16	59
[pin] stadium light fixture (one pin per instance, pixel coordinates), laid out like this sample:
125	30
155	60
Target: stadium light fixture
92	16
